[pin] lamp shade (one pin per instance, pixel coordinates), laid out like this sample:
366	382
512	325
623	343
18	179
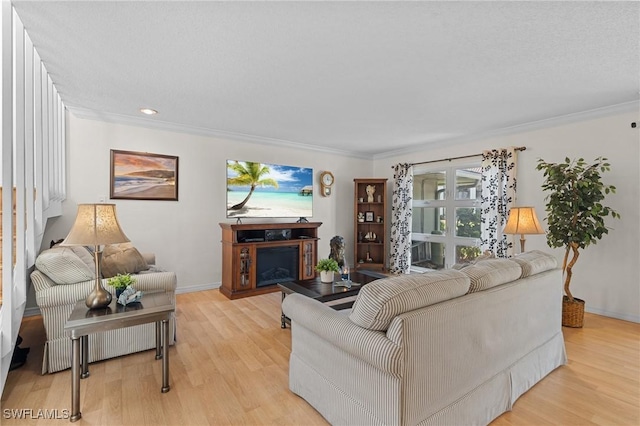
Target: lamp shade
96	224
523	220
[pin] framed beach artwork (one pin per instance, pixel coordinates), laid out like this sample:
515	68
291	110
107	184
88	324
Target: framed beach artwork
143	176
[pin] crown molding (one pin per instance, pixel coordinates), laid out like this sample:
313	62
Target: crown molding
519	128
435	143
202	131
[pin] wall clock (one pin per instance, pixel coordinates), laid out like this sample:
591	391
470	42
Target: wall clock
326	181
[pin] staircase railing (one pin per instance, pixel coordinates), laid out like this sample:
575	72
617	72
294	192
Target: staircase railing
33	165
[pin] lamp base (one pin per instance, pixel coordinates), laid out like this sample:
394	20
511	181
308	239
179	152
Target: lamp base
98	298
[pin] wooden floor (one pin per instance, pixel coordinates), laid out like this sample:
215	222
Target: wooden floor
230	366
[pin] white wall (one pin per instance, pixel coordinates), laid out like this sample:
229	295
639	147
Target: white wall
606	275
185	235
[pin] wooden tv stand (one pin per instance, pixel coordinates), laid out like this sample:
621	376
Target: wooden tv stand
240	243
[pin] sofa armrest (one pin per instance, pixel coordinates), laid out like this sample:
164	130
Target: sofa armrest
48	294
40	281
166	281
371	346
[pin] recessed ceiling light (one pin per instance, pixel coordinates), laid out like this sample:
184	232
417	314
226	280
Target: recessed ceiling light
148	111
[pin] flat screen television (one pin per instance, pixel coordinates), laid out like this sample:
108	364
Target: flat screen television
264	190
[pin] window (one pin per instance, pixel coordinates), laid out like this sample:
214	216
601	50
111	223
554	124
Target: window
446	215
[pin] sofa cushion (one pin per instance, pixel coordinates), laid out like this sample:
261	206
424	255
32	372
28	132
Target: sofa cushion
67	265
382	300
535	261
491	272
122	259
488	254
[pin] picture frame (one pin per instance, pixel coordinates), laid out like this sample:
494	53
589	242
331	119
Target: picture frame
143	176
368	216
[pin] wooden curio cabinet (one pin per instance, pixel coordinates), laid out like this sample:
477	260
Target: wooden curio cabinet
250	253
370	222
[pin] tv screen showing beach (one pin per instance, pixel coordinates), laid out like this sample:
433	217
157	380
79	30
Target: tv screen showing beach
268	190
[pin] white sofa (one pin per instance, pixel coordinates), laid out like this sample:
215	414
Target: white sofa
65	275
446	348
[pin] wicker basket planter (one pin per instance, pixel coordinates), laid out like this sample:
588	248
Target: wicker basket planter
572	312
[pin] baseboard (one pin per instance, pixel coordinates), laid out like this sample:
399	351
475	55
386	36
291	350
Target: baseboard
194	288
617	315
31	312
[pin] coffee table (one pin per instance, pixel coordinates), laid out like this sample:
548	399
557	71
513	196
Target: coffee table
153	307
327	292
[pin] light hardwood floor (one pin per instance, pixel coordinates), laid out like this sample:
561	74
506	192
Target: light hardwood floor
230	366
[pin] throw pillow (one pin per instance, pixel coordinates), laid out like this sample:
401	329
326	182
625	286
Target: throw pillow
67	265
122	259
382	300
491	272
535	261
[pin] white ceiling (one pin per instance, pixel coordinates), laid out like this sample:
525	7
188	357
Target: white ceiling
365	78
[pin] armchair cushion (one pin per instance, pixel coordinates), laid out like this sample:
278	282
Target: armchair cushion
382	300
122	259
67	265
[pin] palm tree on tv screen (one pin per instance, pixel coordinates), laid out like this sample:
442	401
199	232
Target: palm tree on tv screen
251	174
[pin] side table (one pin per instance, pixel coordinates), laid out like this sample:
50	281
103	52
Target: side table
153	307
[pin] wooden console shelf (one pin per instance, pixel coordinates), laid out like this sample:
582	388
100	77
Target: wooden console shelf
240	245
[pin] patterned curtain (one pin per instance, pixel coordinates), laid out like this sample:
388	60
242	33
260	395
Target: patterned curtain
400	256
498	195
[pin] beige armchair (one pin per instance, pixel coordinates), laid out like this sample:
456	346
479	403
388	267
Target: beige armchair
62	278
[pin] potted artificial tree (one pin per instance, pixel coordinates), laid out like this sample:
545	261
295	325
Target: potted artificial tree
327	267
575	217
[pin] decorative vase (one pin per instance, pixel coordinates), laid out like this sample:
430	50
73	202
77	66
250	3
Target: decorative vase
119	292
326	276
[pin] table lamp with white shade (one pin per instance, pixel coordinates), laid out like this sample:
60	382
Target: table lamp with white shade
523	220
96	225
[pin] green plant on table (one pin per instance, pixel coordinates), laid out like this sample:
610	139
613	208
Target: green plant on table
327	265
575	213
121	281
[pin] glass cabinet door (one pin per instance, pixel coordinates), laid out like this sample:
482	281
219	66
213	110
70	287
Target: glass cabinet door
245	268
309	262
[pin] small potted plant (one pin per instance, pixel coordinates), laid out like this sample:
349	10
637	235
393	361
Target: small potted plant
327	267
120	282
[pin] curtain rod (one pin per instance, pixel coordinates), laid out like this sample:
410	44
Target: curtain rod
518	148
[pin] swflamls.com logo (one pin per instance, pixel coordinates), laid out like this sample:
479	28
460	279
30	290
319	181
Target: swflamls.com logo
40	413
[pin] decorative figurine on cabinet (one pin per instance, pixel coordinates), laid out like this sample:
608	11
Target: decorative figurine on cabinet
370	191
360	217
